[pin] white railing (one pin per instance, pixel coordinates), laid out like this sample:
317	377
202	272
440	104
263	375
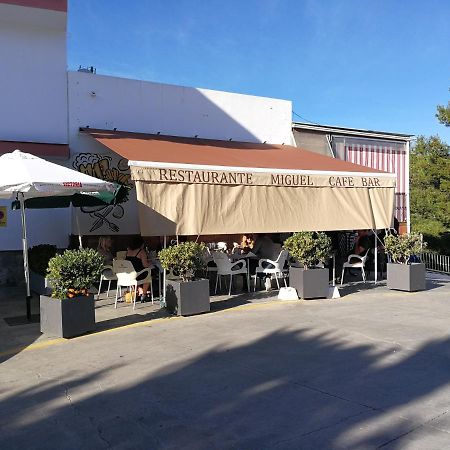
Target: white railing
436	262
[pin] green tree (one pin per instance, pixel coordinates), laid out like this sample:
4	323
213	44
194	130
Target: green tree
430	191
443	114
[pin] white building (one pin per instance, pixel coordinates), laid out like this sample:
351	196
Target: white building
144	107
33	107
44	103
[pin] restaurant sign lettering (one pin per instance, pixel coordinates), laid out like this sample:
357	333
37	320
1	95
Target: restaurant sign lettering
193	176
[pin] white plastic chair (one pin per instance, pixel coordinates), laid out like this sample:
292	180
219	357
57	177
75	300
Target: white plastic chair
211	269
127	277
107	274
207	258
226	267
269	267
358	264
222	246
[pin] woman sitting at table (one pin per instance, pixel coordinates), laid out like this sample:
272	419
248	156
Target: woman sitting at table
105	249
137	255
247	243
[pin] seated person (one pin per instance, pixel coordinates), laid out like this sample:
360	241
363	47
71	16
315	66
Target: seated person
362	245
236	250
362	242
247	243
137	255
104	247
264	247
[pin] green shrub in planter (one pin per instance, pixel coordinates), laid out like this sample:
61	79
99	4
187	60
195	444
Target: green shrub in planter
183	259
39	256
187	296
74	272
308	247
71	311
402	247
402	273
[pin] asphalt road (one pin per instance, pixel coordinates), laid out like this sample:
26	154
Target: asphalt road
371	370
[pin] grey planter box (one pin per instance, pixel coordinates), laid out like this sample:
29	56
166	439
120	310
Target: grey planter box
67	317
406	277
186	298
310	283
39	284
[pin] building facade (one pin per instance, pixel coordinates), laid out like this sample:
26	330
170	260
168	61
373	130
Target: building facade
44	105
33	107
376	149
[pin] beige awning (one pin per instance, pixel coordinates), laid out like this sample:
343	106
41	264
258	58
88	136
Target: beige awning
194	186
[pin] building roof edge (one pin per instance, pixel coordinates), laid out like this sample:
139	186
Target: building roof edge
352	131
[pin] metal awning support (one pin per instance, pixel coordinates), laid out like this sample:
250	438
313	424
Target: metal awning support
164	276
376	257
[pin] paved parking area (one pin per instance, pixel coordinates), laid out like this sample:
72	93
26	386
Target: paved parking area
370	370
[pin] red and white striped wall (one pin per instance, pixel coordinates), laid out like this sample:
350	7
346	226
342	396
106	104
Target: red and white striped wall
388	156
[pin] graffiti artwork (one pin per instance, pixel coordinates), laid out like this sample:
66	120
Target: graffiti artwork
101	166
3	216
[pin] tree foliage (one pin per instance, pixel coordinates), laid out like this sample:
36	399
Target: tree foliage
183	259
74	272
402	247
308	248
39	256
443	114
430	189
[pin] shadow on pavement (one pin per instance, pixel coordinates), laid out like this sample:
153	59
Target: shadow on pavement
219	303
290	389
15	332
360	286
129	319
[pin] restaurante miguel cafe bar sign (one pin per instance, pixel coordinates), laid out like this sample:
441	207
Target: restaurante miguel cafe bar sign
193	176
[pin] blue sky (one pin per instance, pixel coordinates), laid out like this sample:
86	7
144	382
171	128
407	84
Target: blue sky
381	65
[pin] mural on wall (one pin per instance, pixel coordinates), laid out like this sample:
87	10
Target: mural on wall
105	218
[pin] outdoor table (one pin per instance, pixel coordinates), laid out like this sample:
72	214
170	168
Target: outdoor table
243	256
247	257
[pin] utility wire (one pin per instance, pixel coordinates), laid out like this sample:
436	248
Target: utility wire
303	118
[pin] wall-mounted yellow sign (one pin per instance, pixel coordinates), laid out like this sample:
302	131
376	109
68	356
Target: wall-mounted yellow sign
3	216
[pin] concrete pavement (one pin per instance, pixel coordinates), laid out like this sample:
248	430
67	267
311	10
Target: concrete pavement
371	370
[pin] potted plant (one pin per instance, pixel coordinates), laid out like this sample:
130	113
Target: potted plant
38	257
70	310
309	249
186	294
403	273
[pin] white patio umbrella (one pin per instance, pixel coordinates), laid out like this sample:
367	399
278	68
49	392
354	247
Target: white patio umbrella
24	176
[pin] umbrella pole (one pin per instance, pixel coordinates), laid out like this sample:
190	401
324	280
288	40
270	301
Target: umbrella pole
80	241
25	255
